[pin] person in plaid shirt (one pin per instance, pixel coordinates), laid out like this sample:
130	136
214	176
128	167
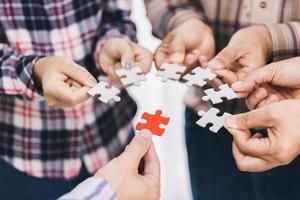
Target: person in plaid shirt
246	35
52	135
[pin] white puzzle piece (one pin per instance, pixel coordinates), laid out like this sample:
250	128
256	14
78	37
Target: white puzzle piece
105	91
170	71
199	76
132	76
211	117
216	96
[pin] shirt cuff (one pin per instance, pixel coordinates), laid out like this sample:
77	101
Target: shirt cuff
91	188
285	40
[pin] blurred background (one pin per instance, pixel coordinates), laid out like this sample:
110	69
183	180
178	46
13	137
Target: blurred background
153	95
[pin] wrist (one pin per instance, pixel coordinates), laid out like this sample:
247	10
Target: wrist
37	71
267	40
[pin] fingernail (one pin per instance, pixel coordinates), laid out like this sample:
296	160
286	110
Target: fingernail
230	122
145	133
272	99
215	64
237	84
260	94
92	81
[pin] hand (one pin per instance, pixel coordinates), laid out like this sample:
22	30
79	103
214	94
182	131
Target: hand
275	82
64	82
248	49
117	51
186	44
255	153
122	172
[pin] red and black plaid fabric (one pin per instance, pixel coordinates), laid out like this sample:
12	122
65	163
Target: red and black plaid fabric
44	141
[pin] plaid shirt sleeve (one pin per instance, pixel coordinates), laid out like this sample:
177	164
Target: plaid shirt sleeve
165	15
91	189
16	74
115	22
285	39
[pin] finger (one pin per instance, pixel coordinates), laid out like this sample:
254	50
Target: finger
177	50
113	76
256	97
248	163
136	150
227	76
228	55
258	77
127	52
271	99
152	164
79	74
144	58
261	117
248	145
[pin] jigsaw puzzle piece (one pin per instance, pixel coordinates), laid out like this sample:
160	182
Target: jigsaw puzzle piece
199	76
153	123
211	117
216	96
170	71
105	91
131	76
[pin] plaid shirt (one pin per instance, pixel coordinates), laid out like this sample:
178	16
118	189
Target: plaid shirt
45	141
282	17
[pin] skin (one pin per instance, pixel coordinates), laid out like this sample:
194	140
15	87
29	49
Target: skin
116	51
64	82
247	50
272	83
186	47
123	174
282	146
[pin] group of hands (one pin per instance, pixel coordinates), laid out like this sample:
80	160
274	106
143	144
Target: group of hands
271	92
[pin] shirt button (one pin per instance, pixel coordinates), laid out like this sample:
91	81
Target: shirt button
263	4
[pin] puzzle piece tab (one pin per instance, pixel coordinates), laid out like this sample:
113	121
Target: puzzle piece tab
153	122
170	71
216	96
199	76
105	91
211	117
131	76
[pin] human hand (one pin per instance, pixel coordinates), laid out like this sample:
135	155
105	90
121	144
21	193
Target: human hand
248	49
64	82
275	82
255	153
117	51
187	44
122	172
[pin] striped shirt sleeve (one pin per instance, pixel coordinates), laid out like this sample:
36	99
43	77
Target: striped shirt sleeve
165	15
285	40
94	188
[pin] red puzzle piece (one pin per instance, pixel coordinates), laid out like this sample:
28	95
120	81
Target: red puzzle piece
153	123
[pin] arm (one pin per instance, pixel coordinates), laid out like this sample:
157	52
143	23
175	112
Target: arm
164	15
16	76
285	40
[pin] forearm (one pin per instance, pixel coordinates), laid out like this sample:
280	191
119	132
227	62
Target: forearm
164	15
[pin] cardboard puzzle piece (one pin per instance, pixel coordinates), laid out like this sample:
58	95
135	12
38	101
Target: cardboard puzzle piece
211	117
170	71
105	91
131	76
153	123
199	76
216	96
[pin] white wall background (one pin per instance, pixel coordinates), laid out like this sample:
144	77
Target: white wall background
153	95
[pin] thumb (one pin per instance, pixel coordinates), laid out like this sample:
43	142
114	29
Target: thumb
258	77
79	74
136	150
127	53
177	50
259	118
152	165
227	56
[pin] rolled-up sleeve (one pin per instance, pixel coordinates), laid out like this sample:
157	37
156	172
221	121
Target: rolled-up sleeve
285	40
164	15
